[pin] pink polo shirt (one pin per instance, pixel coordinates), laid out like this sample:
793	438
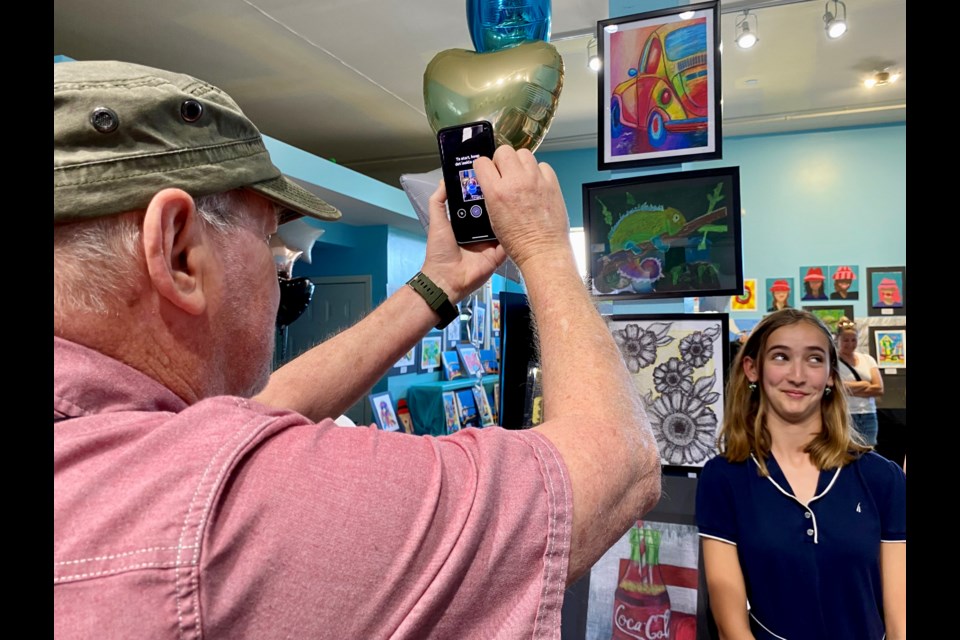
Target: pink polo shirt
230	519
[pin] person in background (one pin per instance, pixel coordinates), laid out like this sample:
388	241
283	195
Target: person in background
861	380
197	493
796	516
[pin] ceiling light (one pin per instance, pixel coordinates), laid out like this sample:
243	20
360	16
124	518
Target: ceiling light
686	15
835	22
593	60
746	37
881	78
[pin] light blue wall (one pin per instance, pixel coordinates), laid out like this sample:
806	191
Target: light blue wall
826	197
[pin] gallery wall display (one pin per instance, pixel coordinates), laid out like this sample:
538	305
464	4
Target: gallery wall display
831	314
888	346
887	291
383	411
669	235
659	87
746	301
780	294
679	364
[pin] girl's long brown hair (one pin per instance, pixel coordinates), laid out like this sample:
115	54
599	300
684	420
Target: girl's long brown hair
744	429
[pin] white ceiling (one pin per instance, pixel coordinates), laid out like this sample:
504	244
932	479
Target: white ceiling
343	79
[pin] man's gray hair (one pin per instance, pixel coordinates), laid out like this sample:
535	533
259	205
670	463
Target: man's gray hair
96	263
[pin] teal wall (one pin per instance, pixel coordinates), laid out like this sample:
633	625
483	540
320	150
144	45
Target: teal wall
826	197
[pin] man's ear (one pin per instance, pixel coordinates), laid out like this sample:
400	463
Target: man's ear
750	369
176	250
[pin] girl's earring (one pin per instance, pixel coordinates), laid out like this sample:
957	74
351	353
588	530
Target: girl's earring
752	386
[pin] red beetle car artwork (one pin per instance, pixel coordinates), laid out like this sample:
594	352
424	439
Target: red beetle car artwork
667	92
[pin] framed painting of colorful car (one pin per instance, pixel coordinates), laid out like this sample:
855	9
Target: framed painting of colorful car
659	87
672	235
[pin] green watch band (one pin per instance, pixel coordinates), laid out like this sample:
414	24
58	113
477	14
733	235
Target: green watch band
435	297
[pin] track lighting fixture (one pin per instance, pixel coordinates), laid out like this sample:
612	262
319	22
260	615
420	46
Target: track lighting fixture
835	22
593	60
746	37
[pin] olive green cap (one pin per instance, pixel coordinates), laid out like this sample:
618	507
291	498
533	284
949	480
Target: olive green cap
122	132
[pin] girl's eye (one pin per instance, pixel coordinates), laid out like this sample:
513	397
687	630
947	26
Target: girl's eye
778	356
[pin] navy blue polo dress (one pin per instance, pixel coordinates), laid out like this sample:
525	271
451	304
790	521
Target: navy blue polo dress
811	571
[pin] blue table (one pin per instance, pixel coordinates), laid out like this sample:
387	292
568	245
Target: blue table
426	402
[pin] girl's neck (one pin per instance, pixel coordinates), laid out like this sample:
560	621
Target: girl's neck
789	441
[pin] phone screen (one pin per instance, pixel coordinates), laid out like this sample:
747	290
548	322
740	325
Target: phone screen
459	147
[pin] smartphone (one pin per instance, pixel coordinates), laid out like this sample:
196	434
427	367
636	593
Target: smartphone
459	147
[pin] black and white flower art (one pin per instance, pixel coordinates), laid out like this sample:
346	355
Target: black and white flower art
679	364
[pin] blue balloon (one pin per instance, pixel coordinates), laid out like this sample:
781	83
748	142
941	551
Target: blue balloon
500	24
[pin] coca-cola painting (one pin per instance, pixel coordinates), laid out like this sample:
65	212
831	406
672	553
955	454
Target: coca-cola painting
645	586
679	365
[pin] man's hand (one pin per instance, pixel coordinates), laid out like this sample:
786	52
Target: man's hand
525	203
457	270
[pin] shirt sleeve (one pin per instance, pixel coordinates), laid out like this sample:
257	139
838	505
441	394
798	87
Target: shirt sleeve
361	533
715	508
891	496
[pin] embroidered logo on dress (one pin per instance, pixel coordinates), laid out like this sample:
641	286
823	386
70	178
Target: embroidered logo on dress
858	508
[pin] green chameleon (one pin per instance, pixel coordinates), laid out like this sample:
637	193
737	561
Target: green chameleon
640	226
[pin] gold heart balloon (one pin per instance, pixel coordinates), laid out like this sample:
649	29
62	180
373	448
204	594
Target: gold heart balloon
515	89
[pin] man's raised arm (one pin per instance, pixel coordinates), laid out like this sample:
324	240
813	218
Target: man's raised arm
593	412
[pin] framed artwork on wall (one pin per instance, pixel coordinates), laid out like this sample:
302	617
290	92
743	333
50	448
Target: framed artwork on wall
647	585
888	346
779	294
407	363
669	235
843	282
887	291
383	411
746	301
831	314
679	364
431	346
659	87
813	282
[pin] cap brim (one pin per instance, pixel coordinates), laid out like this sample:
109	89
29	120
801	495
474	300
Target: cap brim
297	199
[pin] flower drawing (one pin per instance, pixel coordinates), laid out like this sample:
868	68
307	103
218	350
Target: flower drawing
673	375
639	346
684	427
696	349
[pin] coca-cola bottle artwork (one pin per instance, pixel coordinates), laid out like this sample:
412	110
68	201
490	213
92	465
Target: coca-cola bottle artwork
641	605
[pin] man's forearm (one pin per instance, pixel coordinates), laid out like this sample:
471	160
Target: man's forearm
593	412
329	378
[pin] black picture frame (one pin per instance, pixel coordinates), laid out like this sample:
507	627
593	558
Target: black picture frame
655	108
646	237
680	364
830	314
886	367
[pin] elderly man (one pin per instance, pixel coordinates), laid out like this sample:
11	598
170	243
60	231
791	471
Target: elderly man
197	494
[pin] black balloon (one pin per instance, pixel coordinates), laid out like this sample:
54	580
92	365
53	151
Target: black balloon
295	296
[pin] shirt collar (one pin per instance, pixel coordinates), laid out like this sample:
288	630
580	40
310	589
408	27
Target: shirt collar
87	382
